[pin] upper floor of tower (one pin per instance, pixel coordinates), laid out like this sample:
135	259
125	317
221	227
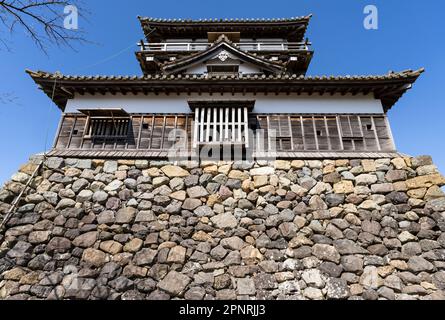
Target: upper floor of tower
225	47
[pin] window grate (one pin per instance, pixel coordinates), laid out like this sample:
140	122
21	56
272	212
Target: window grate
221	125
108	128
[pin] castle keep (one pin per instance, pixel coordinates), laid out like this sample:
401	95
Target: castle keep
224	172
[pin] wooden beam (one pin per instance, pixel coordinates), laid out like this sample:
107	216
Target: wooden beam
315	134
302	133
391	136
221	124
209	114
375	134
151	132
328	136
196	128
240	139
215	124
361	131
291	133
72	130
201	125
246	127
268	132
226	121
163	132
59	129
140	133
233	131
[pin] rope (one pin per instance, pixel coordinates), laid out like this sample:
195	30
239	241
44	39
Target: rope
16	201
111	57
106	59
14	204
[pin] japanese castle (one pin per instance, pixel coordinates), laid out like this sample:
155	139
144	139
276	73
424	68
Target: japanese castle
145	194
231	84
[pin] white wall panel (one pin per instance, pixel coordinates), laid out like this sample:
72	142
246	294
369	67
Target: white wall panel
264	104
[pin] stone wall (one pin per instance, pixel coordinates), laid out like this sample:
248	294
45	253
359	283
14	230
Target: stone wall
343	229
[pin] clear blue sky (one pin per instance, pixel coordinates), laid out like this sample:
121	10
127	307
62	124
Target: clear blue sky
411	35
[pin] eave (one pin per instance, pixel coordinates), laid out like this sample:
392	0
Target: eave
293	29
389	88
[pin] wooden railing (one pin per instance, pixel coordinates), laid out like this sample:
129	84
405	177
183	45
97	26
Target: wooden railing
247	46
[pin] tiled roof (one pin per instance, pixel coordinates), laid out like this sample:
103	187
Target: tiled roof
157	29
316	78
232	20
389	88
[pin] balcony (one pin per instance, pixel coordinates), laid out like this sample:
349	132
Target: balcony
245	46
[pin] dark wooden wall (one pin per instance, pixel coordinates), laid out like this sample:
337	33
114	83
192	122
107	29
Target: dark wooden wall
292	132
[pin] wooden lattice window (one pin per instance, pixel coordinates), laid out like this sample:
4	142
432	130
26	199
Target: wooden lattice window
108	128
106	123
221	125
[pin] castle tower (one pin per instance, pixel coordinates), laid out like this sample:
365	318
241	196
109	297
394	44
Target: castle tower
224	171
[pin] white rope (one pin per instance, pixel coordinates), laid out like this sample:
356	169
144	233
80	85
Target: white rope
114	55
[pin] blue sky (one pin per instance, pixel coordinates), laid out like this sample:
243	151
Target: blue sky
411	34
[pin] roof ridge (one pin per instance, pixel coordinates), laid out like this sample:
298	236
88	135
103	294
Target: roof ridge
225	20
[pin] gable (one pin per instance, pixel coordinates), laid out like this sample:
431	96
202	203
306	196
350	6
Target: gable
223	53
223	58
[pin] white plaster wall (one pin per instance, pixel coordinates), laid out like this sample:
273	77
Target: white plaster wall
264	104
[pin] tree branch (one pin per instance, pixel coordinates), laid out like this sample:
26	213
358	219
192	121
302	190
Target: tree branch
42	20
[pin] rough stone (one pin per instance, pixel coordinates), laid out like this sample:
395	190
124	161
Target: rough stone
177	255
245	287
348	247
365	179
224	221
174	172
396	175
263	171
418	264
313	277
352	263
112	247
145	257
94	257
337	289
313	293
326	252
197	192
126	215
282	165
325	229
37	237
370	279
174	283
85	240
344	187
